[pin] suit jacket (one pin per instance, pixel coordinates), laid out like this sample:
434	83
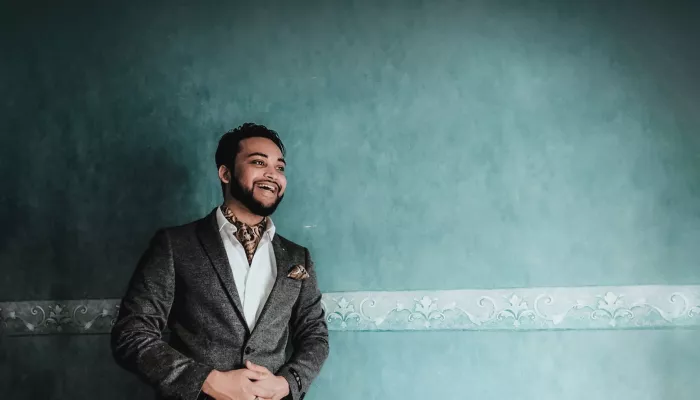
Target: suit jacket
184	282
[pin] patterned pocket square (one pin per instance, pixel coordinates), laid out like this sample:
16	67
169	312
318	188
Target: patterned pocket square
298	273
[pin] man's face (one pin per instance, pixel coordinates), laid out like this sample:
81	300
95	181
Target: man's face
258	178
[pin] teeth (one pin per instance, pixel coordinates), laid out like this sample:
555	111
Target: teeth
266	187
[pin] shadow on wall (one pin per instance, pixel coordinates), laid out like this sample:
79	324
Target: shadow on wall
93	157
92	163
74	223
35	367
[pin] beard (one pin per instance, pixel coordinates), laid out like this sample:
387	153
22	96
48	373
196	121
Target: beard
246	197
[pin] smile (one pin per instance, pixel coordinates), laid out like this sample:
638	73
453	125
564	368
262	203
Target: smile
269	187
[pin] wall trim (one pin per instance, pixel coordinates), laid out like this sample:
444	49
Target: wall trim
524	309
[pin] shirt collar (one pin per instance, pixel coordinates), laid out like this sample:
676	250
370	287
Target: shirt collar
223	223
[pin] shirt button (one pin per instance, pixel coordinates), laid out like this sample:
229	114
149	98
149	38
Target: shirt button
248	350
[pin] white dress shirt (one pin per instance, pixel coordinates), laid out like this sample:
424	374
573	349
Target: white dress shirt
254	282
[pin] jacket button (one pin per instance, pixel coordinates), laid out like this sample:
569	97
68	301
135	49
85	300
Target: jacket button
248	350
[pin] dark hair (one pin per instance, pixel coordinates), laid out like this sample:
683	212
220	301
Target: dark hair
230	142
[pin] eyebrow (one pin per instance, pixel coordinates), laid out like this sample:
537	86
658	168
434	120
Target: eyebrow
265	155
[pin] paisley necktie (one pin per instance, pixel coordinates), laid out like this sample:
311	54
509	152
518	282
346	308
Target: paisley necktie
248	236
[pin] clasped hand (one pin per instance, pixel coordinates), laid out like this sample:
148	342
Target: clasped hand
254	381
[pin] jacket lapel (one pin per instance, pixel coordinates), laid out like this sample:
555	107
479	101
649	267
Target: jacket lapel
277	295
209	236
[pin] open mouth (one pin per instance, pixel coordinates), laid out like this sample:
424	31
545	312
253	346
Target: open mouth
268	187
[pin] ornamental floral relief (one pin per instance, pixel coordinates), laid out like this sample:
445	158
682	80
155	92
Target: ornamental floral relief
624	307
620	307
55	317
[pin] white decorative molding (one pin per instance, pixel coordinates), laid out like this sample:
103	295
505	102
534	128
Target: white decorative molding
595	307
621	307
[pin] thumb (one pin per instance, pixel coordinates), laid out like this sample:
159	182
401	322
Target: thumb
254	367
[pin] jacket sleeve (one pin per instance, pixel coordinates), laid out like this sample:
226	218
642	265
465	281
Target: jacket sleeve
136	338
309	334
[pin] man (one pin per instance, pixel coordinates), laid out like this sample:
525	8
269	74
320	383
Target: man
242	302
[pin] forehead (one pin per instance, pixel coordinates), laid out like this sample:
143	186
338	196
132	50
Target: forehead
260	145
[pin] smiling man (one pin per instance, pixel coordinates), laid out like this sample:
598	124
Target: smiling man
242	302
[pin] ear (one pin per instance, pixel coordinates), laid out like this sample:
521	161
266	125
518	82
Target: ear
224	174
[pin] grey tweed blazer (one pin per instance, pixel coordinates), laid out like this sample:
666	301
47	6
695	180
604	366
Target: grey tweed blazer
184	282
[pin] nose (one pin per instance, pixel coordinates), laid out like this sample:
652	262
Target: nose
271	173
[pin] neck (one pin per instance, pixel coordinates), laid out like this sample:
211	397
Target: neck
242	213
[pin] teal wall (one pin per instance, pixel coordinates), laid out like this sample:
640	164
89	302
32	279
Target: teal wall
432	145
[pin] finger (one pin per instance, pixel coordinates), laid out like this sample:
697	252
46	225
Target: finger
260	391
254	367
253	375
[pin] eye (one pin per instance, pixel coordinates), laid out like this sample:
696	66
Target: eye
280	169
258	162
